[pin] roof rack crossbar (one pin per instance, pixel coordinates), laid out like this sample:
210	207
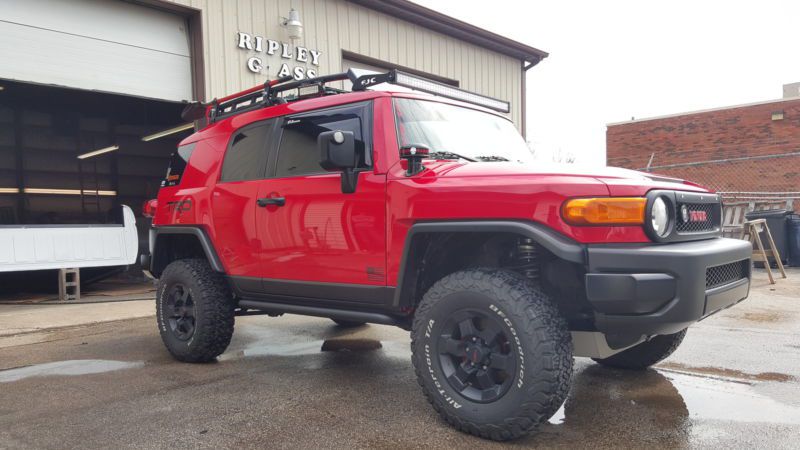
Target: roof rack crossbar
266	95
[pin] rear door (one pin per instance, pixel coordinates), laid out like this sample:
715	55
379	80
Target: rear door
315	240
233	201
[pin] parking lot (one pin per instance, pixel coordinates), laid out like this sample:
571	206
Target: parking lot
297	382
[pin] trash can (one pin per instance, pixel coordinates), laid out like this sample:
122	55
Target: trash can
777	223
793	228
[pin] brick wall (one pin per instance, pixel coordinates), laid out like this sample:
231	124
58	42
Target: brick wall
742	140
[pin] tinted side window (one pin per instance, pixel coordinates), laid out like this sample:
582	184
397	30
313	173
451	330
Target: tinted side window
177	164
298	153
247	153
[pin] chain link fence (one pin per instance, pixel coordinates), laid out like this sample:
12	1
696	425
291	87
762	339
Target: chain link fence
764	178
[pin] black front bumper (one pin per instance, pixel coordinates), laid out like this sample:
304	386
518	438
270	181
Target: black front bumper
654	289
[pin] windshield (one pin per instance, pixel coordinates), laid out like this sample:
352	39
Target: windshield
453	132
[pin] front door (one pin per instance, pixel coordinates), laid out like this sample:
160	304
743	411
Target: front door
317	242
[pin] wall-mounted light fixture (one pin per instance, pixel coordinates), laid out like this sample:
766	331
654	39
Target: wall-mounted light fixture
293	25
9	191
99	152
777	115
160	134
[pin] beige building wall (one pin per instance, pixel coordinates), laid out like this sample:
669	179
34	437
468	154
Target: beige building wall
331	26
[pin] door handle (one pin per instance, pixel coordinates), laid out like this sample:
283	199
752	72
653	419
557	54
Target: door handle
271	201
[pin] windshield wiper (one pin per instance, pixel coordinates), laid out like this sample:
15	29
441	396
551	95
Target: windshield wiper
492	158
448	155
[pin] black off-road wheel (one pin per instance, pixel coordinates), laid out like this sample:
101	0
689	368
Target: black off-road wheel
348	323
646	354
195	311
491	352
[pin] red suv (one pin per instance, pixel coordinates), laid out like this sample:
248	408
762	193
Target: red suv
428	212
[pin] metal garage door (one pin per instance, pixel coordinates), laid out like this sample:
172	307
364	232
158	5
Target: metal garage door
103	45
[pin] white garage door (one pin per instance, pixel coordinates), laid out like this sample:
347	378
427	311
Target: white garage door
102	45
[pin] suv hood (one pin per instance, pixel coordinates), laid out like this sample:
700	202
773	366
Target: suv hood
620	182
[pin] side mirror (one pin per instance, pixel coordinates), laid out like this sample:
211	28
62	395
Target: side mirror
338	153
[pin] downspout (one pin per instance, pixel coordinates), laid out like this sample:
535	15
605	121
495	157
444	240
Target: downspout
525	67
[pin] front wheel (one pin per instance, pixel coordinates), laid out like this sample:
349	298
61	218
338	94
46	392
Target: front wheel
491	352
195	311
646	354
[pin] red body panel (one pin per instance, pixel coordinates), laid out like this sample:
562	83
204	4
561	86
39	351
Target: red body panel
321	234
324	235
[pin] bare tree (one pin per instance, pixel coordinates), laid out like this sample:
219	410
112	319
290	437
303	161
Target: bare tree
562	157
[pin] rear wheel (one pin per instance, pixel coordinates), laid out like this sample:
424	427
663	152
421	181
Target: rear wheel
195	311
491	352
646	354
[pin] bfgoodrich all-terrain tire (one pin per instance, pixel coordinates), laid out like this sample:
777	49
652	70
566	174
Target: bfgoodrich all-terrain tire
644	355
491	352
195	311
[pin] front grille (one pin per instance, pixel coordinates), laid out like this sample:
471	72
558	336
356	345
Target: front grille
727	273
710	224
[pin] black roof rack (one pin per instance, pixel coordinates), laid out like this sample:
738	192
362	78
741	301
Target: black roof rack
267	94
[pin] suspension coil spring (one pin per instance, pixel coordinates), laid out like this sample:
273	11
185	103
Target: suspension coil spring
526	261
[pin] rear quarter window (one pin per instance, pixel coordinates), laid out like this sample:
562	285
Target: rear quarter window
177	164
246	157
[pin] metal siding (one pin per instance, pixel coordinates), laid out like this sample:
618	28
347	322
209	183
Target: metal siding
334	25
101	45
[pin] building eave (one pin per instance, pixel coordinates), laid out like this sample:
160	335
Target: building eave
442	23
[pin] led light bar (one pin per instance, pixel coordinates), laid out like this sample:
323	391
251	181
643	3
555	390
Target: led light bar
9	191
99	152
362	79
45	191
444	90
170	131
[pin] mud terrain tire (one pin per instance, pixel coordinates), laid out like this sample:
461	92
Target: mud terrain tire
535	353
190	287
646	354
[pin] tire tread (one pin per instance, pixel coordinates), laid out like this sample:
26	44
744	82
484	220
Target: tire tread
646	354
532	311
215	317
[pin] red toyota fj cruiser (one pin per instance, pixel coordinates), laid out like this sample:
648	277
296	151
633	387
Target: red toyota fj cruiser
428	212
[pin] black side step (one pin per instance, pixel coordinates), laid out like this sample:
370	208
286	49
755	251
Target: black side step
341	314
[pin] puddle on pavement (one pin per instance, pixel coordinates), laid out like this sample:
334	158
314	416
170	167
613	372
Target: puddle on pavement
664	404
559	416
67	368
728	373
737	402
352	345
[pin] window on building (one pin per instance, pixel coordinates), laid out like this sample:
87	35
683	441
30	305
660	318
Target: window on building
298	153
247	153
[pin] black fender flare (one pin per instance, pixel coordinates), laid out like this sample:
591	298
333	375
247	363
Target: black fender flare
558	244
196	231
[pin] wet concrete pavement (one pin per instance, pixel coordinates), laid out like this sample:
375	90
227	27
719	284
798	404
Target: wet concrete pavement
296	382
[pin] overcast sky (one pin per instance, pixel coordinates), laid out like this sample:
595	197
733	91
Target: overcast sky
613	60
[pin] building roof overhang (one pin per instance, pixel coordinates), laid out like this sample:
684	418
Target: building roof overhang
442	23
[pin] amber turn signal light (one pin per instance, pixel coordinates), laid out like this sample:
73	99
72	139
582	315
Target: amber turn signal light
605	211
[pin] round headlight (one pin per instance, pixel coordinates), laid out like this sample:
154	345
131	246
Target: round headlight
659	217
